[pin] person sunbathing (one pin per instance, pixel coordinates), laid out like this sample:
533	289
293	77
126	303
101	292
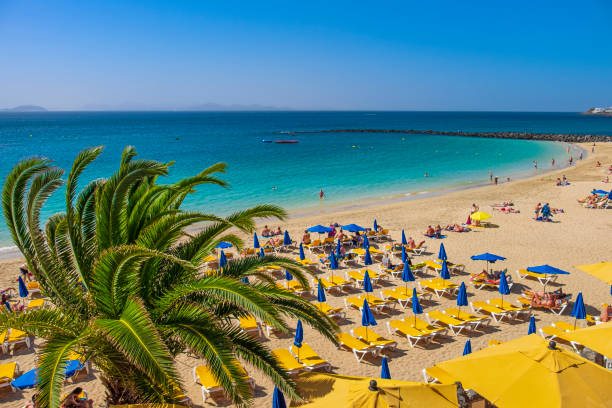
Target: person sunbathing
266	232
558	181
606	180
278	231
438	231
272	242
306	237
73	400
410	243
430	232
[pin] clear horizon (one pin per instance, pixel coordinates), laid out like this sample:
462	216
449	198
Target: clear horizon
544	57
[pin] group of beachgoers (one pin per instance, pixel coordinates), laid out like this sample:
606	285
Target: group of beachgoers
594	200
506	207
562	181
545	212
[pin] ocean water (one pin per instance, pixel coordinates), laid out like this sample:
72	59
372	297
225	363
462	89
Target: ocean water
349	167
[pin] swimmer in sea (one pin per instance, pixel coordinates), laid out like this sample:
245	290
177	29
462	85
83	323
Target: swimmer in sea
321	194
426	175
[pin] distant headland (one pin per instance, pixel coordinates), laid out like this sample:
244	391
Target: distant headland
599	111
25	108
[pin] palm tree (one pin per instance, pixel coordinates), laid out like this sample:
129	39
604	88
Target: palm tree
128	296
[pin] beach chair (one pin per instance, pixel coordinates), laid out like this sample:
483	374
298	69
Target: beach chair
439	286
249	325
340	282
375	303
359	348
35	304
509	307
334	312
542	278
455	325
8	373
554	333
204	377
473	320
314	245
372	338
402	296
558	308
246	252
305	261
396	272
412	333
419	249
436	375
33	287
309	358
13	337
294	287
288	362
495	312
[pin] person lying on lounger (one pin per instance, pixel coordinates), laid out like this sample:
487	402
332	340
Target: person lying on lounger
430	231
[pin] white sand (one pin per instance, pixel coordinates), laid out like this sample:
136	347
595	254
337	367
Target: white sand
577	237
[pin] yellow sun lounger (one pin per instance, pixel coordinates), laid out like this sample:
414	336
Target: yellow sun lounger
33	287
305	261
330	311
439	286
358	347
495	312
309	358
12	337
316	244
288	362
414	335
372	338
249	325
340	282
359	276
203	376
434	374
509	307
568	327
402	295
455	325
8	372
554	333
542	278
35	304
375	303
474	320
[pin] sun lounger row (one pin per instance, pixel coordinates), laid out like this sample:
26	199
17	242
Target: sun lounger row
499	309
403	296
375	303
294	360
415	330
363	341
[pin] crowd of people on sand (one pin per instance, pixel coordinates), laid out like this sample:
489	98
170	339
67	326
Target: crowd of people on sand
506	207
545	212
594	200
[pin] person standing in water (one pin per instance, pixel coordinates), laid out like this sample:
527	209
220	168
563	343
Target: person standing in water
535	164
490	176
553	162
321	194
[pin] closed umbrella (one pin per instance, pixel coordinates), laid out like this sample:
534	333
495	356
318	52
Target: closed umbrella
286	238
404	240
367	259
384	370
278	399
255	240
339	249
375	226
261	252
416	306
366	242
288	277
468	348
299	337
532	326
367	283
442	252
407	276
222	260
462	299
404	256
333	262
302	255
320	292
444	273
578	311
367	318
23	290
245	280
503	287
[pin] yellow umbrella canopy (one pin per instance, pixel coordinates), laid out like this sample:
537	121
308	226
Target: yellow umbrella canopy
330	390
600	270
528	372
597	338
480	216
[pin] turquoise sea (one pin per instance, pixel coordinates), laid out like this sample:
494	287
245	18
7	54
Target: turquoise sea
349	167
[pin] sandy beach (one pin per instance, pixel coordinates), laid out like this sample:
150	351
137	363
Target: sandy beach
577	236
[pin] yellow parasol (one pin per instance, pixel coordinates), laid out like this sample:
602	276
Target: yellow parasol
597	338
600	270
480	216
530	372
331	390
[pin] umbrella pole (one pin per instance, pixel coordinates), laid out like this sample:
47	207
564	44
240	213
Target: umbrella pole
406	283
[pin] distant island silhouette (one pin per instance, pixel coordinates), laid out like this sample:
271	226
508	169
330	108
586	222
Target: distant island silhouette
25	108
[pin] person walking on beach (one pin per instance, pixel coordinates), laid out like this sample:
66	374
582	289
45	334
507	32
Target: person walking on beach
538	207
593	148
321	194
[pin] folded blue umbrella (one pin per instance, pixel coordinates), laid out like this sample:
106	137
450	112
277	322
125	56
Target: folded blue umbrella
245	280
416	306
320	229
404	240
375	225
444	273
255	241
223	245
468	348
532	326
367	283
353	228
366	242
407	275
462	299
320	292
384	370
261	252
442	252
503	285
302	255
487	257
286	238
404	256
278	399
578	310
333	262
367	318
547	270
339	249
288	275
222	260
367	259
23	290
299	335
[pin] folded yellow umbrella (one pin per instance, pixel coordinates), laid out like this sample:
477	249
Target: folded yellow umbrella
330	390
597	338
600	270
480	216
527	372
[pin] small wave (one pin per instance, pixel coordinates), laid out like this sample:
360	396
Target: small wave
423	192
8	248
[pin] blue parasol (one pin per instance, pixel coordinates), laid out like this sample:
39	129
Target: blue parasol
333	262
367	283
23	290
319	229
468	347
375	225
367	259
367	318
286	238
302	255
366	242
255	241
407	276
384	370
404	255
404	240
299	335
416	306
261	252
222	260
353	228
223	245
444	273
578	311
320	292
278	399
442	252
532	326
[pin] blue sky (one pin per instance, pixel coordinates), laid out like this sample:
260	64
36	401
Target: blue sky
443	55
